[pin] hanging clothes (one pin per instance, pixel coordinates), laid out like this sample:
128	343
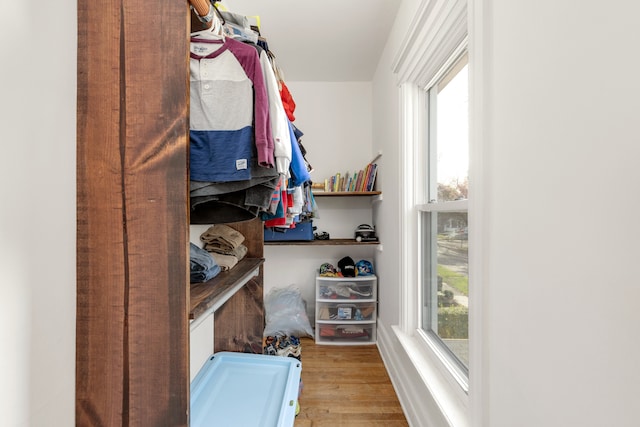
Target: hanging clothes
229	111
299	172
287	101
231	146
277	118
245	156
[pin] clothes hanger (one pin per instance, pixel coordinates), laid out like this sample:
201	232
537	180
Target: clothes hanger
209	25
201	8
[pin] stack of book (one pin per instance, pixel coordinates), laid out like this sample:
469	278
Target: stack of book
363	180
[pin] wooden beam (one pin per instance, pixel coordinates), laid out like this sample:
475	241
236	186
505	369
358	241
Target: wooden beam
132	210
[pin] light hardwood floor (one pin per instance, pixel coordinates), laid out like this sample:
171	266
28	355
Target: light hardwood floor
346	386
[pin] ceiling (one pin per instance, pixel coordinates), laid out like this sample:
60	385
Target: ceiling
328	40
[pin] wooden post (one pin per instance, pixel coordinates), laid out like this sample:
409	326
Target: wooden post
132	213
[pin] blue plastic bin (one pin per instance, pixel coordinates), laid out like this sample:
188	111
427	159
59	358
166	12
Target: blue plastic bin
303	231
245	390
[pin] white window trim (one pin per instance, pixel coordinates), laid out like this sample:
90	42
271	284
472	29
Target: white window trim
410	96
425	355
438	29
480	33
452	206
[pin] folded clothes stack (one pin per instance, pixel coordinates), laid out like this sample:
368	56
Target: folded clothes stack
224	244
203	266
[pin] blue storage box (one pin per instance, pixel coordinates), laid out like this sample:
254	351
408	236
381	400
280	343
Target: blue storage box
303	231
245	390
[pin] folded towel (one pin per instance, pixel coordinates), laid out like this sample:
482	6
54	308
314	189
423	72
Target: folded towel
226	262
239	252
222	237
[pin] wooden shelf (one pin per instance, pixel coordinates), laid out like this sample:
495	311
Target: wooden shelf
345	193
330	242
209	296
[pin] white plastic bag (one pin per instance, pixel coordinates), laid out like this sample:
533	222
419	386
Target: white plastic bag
285	313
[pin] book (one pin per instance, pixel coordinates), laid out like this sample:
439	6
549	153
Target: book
365	178
359	181
372	177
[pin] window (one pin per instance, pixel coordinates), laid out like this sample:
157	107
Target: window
443	219
429	65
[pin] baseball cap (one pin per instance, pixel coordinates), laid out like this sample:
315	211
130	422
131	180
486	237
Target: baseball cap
347	267
328	270
364	268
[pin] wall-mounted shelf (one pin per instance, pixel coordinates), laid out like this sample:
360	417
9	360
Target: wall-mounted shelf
345	193
209	296
330	242
337	241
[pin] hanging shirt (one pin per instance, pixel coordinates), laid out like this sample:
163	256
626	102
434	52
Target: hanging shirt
277	118
229	111
287	101
298	167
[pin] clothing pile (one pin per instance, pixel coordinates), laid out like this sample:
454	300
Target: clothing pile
202	265
225	245
282	345
246	158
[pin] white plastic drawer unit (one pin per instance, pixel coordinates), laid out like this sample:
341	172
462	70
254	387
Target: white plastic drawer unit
346	310
346	288
246	390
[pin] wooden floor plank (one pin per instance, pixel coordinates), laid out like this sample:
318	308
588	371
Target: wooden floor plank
346	386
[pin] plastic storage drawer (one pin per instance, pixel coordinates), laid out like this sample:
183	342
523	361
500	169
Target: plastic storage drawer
343	288
347	333
346	311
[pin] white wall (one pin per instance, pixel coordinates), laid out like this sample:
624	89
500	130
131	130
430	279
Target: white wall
386	134
561	159
336	120
37	213
558	174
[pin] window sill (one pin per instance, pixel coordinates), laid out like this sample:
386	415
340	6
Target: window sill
450	397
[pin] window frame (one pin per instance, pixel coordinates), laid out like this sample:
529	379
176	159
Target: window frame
438	29
430	205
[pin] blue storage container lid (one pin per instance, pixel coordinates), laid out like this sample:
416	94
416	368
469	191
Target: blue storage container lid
241	389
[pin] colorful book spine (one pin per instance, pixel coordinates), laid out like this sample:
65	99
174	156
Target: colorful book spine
372	177
365	178
359	181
